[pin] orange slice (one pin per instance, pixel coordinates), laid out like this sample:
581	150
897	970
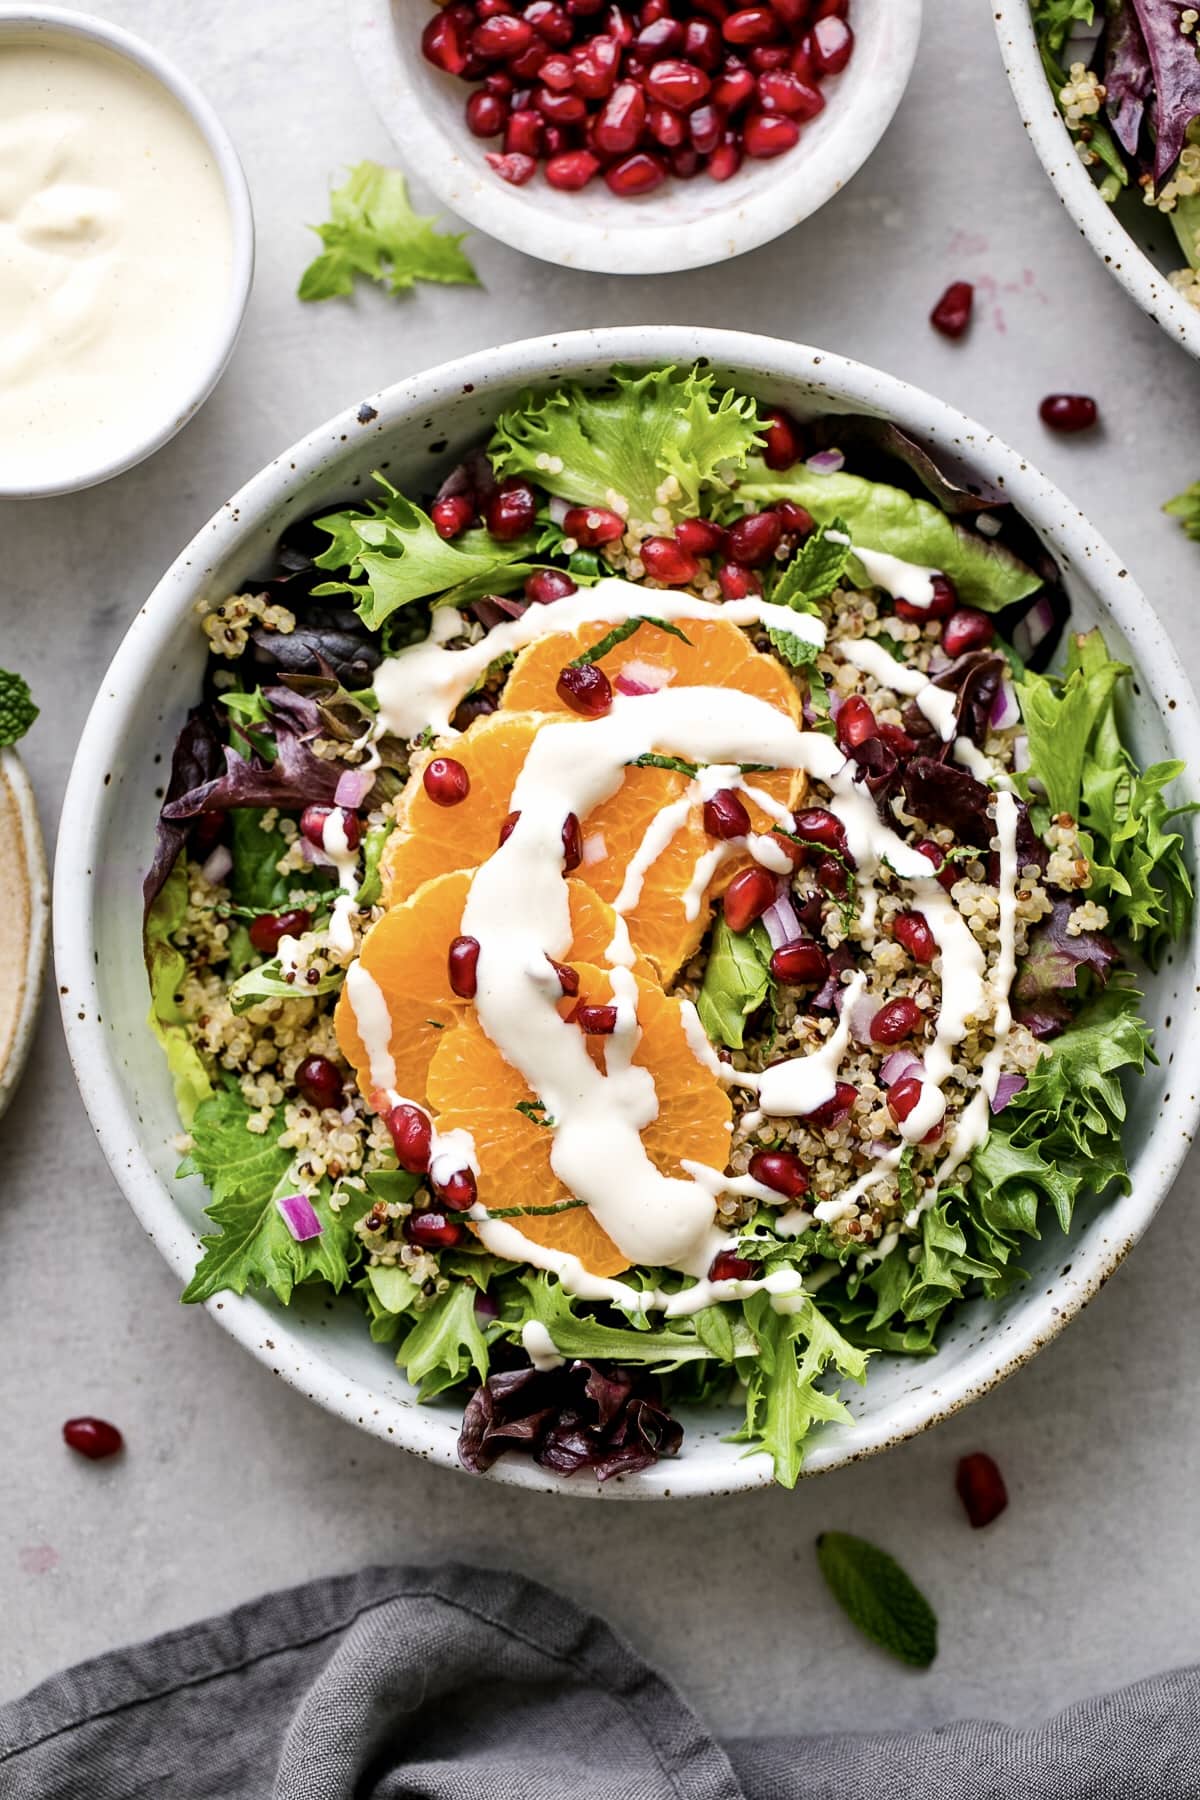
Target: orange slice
473	1087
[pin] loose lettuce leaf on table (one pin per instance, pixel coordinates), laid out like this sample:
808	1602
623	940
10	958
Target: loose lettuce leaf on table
373	231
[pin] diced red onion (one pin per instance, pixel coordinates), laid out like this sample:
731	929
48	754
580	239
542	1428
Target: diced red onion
558	509
826	462
297	1213
1005	710
861	1015
780	921
312	854
639	677
218	865
836	702
938	660
353	787
1034	628
1007	1088
899	1064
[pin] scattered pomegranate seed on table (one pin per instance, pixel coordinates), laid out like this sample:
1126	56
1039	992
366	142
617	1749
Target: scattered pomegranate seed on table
1068	412
635	95
981	1488
93	1438
952	314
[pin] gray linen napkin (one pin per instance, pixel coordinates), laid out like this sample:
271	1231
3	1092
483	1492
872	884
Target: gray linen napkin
468	1684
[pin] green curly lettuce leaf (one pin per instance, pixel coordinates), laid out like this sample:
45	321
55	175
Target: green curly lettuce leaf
373	231
17	710
167	969
629	438
574	1333
783	1398
879	517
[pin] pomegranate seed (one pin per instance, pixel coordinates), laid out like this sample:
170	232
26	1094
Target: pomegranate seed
661	37
1068	412
572	843
980	1487
596	1021
412	1136
800	963
446	781
725	1266
318	1082
679	84
550	22
586	689
499	83
638	174
803	63
452	515
832	876
571	171
702	43
797	520
433	1230
903	1096
912	930
817	825
944	602
462	965
508	827
726	159
751	25
781	1171
947	872
769	134
967	629
501	38
685	162
823	9
747	898
700	537
313	821
487	9
782	447
855	723
487	116
832	45
725	816
767	58
558	74
794	13
754	539
620	120
93	1438
568	978
952	314
735	87
266	931
528	65
560	109
441	44
737	582
592	526
516	170
706	125
620	27
898	740
459	1192
895	1021
665	559
796	854
779	91
523	133
511	509
832	1112
652	11
545	585
596	68
665	127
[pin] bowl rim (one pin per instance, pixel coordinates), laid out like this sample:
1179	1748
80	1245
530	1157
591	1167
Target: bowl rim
1124	259
58	21
238	525
16	777
499	210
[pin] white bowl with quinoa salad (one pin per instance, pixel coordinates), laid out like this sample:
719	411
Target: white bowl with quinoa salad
1087	89
689	989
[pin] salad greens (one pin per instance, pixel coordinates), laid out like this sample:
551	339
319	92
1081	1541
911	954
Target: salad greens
373	232
1186	508
17	710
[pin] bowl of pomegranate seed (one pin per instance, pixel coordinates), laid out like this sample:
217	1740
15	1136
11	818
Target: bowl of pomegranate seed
658	918
1112	107
636	139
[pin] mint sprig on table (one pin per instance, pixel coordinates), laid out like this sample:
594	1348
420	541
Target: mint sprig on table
876	1595
1186	508
373	231
17	710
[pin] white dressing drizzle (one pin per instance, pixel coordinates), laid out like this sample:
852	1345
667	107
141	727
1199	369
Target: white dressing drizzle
902	580
800	1084
337	848
539	1346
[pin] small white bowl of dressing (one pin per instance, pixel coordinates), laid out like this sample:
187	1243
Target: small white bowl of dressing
126	250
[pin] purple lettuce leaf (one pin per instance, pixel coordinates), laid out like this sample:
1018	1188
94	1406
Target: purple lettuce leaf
585	1415
296	778
1176	78
890	445
943	794
1045	1018
975	678
876	766
1053	962
1128	76
197	759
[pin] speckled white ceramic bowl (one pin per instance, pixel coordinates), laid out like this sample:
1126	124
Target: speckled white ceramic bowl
684	224
1140	256
417	429
25	926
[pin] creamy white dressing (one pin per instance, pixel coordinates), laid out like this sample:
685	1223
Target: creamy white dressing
539	1346
337	848
902	580
800	1084
116	257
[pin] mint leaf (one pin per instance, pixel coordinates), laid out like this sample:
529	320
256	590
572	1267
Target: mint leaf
737	979
167	970
876	1595
629	438
816	569
879	517
374	232
17	711
254	881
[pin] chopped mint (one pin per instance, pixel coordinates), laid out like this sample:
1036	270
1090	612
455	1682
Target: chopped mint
876	1595
620	633
373	232
17	711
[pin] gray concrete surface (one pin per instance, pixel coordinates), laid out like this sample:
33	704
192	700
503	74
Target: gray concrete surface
232	1483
